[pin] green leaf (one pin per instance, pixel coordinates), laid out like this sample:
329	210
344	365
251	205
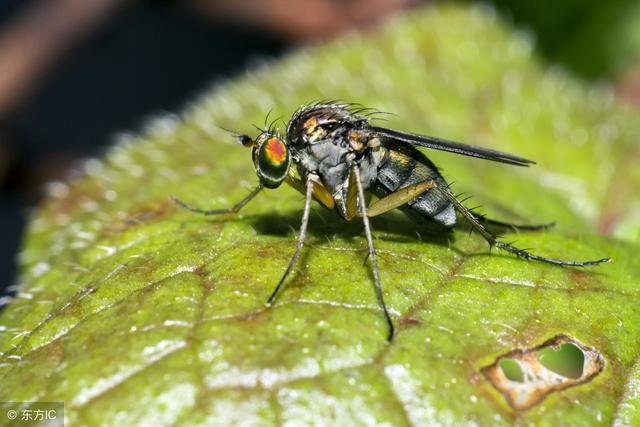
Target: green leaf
134	311
593	39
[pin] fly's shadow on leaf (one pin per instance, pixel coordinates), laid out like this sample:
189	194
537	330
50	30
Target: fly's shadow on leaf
393	226
396	226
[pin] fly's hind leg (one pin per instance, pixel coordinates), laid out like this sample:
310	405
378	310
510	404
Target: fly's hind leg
516	227
407	194
235	209
493	240
398	198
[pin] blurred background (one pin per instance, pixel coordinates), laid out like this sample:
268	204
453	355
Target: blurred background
74	72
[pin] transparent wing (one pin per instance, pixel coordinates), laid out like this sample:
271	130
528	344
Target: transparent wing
450	146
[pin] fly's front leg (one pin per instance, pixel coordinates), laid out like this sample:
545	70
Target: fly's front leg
372	249
311	179
235	209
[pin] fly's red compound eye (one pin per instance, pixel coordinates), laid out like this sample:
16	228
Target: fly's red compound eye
272	161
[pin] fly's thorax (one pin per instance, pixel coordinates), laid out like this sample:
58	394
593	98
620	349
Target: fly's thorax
271	158
317	122
328	139
360	140
330	162
317	128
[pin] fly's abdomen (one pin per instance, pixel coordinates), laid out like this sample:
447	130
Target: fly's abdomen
404	166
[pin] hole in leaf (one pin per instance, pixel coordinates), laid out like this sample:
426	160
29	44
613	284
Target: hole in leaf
567	361
526	376
512	370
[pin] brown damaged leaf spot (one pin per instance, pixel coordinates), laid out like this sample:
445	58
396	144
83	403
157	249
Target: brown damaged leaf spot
579	276
537	381
409	321
144	214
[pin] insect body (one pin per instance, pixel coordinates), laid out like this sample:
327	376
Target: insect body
334	155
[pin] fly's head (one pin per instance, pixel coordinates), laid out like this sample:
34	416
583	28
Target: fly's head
271	157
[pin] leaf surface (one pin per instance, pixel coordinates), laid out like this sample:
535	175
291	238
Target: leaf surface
136	312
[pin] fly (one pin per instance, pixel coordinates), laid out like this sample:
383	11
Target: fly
334	155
